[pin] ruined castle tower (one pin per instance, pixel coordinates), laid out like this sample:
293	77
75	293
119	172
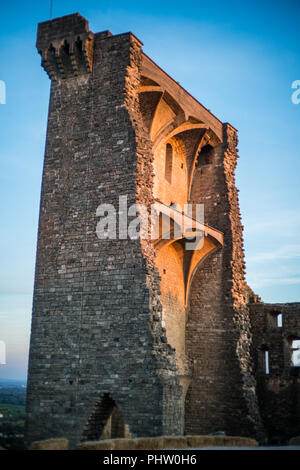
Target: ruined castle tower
134	336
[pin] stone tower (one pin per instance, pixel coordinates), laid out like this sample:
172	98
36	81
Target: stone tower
134	336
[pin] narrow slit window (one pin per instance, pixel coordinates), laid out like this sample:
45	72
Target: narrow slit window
169	163
279	320
266	361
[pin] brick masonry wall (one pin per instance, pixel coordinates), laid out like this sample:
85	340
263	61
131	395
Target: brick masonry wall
222	392
279	390
95	326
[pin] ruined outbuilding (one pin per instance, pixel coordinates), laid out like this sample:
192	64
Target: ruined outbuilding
144	337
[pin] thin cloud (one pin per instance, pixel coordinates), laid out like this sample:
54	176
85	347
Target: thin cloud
16	291
290	219
258	283
284	252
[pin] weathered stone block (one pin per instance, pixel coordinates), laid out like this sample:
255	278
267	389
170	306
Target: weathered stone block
106	444
51	444
294	441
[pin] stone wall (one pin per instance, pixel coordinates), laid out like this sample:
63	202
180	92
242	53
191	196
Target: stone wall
222	392
94	327
278	384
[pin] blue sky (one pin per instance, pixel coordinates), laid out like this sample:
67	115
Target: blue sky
238	59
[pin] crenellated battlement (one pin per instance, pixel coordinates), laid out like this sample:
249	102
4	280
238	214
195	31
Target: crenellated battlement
66	46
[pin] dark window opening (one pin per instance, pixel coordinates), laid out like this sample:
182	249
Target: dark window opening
205	156
275	319
105	421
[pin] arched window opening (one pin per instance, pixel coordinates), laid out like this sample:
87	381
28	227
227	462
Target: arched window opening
205	156
169	163
105	421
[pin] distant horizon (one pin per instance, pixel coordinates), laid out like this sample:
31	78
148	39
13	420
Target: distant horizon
4	380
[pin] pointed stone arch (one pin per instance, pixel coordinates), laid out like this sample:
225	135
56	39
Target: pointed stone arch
105	421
